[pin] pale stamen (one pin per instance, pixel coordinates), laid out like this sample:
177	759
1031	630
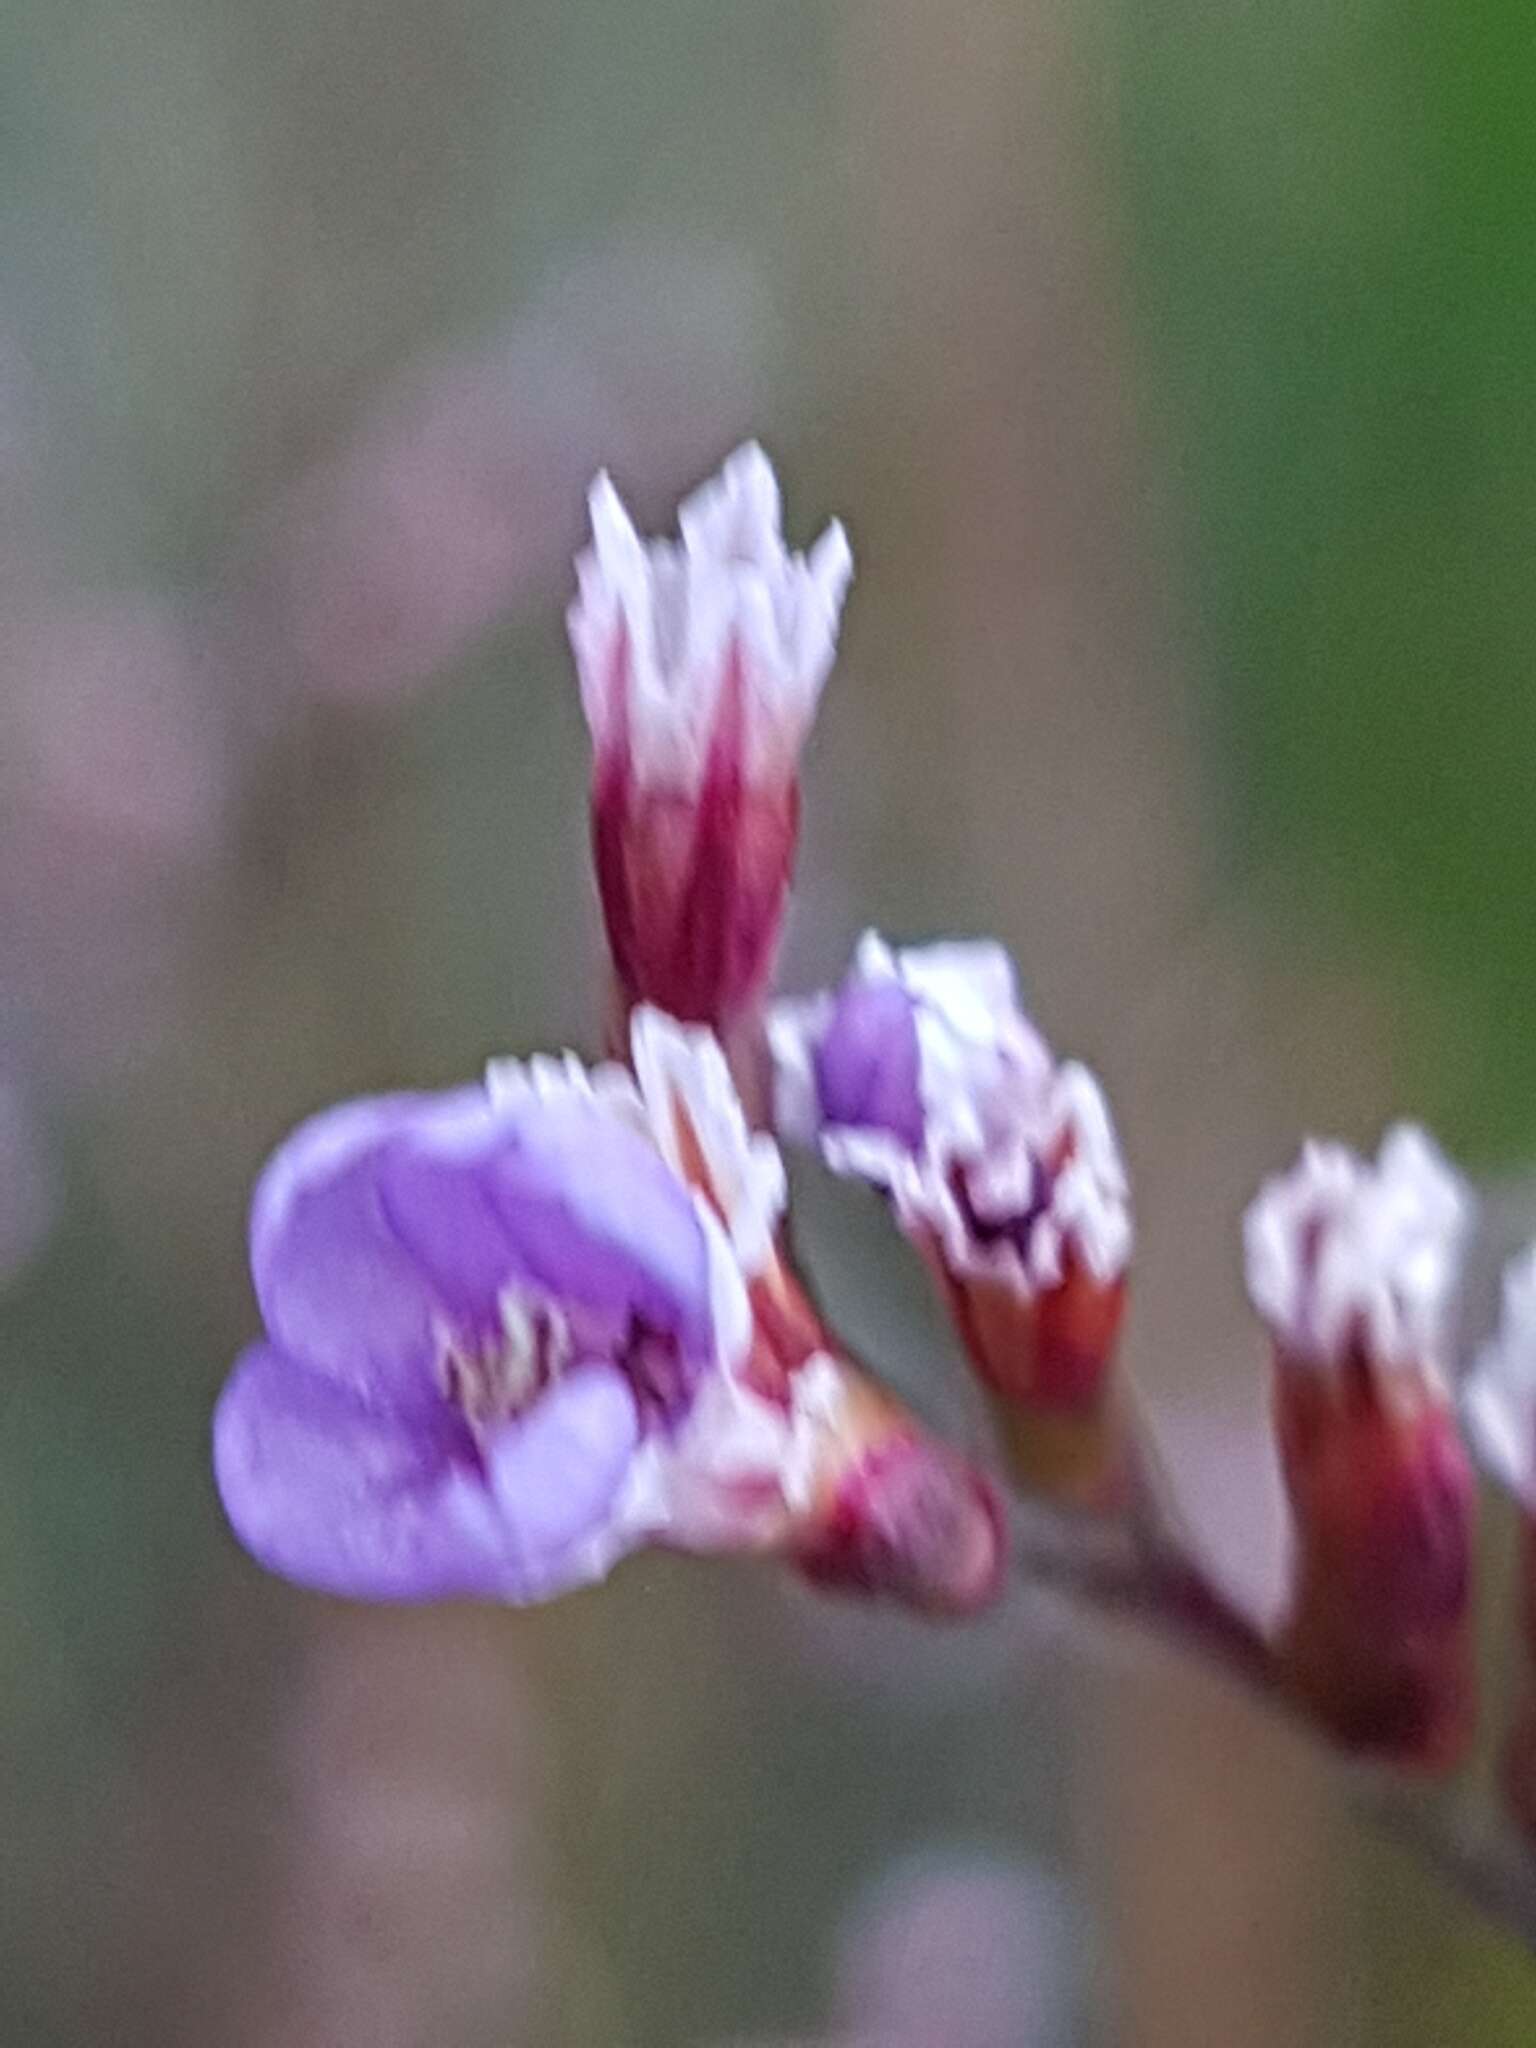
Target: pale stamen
493	1376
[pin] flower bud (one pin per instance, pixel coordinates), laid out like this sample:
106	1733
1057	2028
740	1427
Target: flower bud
887	1510
921	1076
876	1505
1353	1266
1499	1402
909	1519
700	664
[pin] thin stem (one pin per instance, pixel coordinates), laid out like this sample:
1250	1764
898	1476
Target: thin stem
1472	1849
1111	1567
1131	1567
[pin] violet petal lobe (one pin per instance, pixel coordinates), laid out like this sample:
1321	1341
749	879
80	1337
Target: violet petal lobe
868	1060
572	1202
556	1473
345	1499
337	1288
382	1221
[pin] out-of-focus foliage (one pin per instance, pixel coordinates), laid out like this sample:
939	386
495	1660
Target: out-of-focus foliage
1326	211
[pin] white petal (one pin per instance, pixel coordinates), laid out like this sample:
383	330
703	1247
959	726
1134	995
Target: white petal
680	1067
1499	1398
1338	1245
669	621
795	1027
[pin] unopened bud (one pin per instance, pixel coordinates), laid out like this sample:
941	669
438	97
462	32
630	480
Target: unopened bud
921	1075
904	1517
701	663
1353	1266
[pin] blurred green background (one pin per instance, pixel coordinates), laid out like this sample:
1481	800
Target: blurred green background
1171	369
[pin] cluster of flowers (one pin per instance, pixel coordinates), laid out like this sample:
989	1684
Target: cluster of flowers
516	1331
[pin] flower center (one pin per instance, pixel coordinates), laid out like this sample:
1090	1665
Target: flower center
492	1375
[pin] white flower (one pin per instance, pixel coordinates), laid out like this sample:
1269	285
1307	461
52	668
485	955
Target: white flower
1499	1398
1340	1251
662	630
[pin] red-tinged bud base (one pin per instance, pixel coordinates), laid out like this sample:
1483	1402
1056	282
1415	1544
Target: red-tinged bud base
1378	1645
693	888
913	1522
1414	1708
1081	1461
1047	1361
1517	1764
1051	1351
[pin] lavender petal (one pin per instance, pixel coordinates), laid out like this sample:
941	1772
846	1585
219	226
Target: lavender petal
867	1062
347	1500
382	1222
337	1288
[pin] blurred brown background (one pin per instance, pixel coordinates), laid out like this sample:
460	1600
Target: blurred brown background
1170	368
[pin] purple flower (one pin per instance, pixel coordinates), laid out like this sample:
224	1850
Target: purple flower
479	1309
509	1336
921	1075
